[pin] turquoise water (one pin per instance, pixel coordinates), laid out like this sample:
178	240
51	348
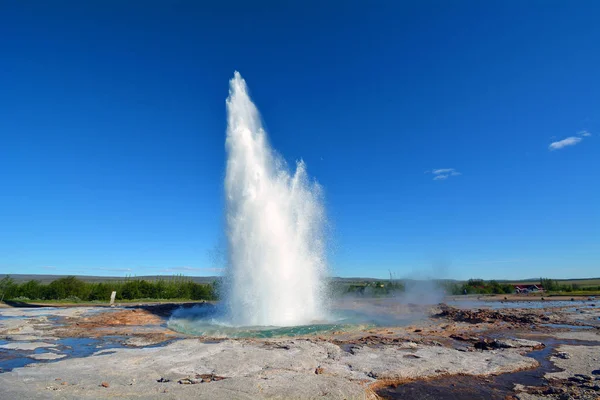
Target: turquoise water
201	328
208	320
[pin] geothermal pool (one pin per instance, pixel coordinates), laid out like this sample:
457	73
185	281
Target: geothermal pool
211	320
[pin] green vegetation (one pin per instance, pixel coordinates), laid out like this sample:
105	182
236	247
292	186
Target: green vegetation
5	286
377	288
72	289
555	287
551	287
479	286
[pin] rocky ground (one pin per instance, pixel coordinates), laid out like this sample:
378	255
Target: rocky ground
496	350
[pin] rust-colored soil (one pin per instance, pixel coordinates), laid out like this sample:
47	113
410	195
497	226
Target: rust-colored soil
125	317
138	323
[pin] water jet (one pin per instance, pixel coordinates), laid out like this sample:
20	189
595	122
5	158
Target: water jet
275	219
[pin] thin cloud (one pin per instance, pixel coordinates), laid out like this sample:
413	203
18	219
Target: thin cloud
570	141
444	173
584	133
49	267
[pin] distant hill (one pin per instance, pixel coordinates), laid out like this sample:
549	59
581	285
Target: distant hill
20	278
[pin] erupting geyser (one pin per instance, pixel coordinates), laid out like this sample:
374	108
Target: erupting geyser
275	221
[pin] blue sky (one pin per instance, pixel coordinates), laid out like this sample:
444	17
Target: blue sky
112	128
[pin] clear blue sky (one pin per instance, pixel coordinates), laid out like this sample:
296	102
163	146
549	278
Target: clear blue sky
112	128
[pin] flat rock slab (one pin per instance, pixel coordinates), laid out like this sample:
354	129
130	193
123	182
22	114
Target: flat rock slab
516	343
278	368
47	356
590	335
27	338
582	360
390	364
46	311
26	345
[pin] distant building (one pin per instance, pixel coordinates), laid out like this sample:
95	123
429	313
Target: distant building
528	288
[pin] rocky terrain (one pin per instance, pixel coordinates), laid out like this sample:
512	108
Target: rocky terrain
547	351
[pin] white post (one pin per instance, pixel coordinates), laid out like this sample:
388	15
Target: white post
112	298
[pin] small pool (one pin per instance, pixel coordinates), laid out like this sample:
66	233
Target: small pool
70	347
567	326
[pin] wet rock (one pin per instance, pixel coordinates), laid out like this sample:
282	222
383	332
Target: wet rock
275	345
143	340
584	377
188	381
491	344
200	378
562	354
163	380
209	377
463	338
517	343
26	345
553	390
486	344
482	315
370	340
409	345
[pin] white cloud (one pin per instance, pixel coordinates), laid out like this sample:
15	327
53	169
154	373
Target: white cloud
570	141
444	173
584	133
